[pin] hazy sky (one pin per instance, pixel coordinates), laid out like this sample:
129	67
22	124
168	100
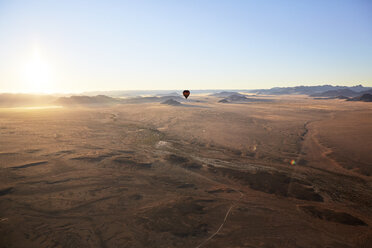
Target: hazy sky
73	46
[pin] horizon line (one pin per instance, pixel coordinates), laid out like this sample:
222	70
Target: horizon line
210	89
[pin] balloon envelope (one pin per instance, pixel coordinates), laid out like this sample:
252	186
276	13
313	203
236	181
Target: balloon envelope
186	93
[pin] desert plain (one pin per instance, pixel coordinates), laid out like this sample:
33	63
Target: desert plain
289	172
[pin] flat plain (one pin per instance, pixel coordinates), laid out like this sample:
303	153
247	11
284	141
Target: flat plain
290	172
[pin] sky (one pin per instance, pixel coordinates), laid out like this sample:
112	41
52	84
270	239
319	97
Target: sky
74	46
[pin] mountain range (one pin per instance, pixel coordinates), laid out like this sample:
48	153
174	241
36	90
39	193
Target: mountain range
309	90
353	93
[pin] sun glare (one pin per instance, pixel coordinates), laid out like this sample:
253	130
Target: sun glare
36	74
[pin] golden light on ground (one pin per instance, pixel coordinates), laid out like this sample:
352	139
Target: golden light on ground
36	74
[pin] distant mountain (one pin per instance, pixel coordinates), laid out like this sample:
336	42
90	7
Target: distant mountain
359	88
87	100
363	98
179	98
236	98
225	94
239	98
171	102
366	92
152	99
308	90
335	93
342	97
106	100
341	94
25	100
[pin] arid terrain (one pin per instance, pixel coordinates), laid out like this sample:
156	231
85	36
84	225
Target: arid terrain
287	172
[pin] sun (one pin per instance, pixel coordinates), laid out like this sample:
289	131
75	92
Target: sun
36	74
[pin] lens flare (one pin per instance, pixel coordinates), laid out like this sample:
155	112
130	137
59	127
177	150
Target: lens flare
293	162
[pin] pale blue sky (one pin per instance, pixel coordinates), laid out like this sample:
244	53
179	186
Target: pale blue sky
118	45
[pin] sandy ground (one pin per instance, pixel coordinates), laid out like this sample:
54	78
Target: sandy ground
203	174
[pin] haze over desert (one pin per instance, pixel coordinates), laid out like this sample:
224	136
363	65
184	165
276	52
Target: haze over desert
198	174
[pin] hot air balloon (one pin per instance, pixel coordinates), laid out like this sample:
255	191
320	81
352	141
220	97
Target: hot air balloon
186	93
